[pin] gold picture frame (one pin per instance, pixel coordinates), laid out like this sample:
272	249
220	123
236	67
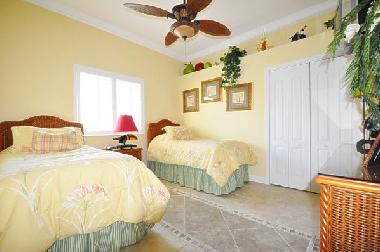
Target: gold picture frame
239	97
190	100
211	90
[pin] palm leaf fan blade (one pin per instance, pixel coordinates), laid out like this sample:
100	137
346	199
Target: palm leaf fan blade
197	5
213	28
148	10
170	38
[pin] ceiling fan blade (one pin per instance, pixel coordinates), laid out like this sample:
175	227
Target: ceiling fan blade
213	28
197	5
170	38
147	9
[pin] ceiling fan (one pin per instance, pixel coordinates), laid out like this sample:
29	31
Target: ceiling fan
185	26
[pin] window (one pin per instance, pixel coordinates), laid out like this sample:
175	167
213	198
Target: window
101	97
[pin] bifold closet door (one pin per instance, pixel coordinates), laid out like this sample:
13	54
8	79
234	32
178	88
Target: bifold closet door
289	99
335	119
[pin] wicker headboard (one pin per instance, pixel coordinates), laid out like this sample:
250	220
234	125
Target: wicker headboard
155	129
42	121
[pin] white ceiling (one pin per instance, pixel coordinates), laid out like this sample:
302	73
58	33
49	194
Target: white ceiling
246	19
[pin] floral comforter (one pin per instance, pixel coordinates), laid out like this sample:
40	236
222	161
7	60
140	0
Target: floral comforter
44	198
219	158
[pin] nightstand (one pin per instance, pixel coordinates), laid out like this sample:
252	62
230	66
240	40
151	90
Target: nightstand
136	152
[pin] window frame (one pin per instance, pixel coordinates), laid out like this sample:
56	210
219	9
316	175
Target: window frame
114	76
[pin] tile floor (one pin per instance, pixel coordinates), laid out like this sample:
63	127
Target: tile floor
256	217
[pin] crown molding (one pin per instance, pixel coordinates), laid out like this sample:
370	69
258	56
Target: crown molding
122	33
104	26
307	13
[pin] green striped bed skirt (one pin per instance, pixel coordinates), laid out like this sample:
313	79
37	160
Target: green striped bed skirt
198	179
111	238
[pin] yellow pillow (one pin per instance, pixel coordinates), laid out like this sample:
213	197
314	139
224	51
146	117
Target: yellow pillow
23	135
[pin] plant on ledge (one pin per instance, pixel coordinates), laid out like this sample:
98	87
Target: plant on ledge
231	66
363	74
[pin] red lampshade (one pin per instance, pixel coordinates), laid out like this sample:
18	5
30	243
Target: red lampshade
125	123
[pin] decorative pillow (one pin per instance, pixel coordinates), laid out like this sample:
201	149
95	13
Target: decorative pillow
45	142
179	133
23	136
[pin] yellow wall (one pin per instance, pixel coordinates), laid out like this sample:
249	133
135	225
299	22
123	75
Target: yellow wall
279	37
38	49
248	126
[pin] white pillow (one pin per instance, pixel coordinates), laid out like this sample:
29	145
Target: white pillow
178	133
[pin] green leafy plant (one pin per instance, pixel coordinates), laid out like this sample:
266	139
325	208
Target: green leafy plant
330	24
231	66
363	73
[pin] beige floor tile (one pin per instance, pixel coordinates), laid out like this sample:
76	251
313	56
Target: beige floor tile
200	216
191	248
156	242
210	226
283	206
221	240
260	240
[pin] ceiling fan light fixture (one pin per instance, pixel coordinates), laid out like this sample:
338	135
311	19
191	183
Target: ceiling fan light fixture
185	29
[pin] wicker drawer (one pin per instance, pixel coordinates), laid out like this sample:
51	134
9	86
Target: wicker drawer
350	215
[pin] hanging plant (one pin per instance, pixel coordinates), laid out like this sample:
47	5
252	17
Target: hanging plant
231	66
363	74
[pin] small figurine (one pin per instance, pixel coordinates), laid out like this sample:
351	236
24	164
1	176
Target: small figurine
263	44
299	35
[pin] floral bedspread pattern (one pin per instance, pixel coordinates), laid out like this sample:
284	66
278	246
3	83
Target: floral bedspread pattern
44	198
219	158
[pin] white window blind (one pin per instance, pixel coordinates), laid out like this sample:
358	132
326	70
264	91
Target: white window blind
101	97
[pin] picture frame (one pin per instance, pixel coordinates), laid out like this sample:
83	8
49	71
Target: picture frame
239	97
191	100
211	90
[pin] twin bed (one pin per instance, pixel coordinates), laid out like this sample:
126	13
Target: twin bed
86	199
217	167
79	200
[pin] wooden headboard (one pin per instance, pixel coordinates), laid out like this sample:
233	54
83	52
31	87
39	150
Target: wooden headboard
155	129
42	121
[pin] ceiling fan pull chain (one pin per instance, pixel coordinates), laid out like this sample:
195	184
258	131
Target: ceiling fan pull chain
185	50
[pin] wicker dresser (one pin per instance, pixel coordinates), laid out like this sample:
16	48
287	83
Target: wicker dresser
350	210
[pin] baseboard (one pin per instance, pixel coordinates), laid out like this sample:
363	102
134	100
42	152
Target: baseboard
259	179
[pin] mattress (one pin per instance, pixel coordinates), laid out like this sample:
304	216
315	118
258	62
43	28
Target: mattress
45	198
218	158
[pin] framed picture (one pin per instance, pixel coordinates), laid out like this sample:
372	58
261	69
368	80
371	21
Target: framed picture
191	100
239	97
211	90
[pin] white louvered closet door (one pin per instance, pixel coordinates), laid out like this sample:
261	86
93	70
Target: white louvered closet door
289	100
335	118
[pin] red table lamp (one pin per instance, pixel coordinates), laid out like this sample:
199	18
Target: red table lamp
125	123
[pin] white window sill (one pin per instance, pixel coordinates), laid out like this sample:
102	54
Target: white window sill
112	134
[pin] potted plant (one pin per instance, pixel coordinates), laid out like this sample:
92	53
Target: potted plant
363	73
231	66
